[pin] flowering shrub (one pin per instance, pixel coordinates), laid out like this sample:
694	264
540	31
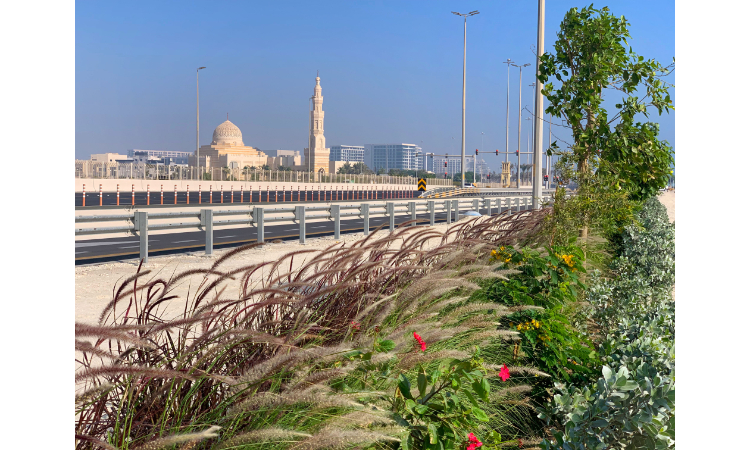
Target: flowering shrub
544	278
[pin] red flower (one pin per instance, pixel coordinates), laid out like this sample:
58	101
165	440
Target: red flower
355	325
473	442
504	373
422	343
520	443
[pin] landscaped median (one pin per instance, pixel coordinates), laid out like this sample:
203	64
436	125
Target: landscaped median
378	346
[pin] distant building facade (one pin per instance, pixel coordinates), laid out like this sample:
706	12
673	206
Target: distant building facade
285	158
110	158
391	156
439	166
154	155
348	153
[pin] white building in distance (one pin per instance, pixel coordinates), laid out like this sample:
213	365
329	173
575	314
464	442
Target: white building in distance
391	156
348	153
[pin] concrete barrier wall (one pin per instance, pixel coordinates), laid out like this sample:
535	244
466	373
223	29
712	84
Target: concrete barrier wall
110	185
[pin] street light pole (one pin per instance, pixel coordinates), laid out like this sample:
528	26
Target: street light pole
463	114
520	88
197	120
507	109
536	187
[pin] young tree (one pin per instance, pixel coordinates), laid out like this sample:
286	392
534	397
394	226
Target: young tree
611	153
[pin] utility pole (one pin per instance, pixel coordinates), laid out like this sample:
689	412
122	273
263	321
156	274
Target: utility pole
197	121
463	114
520	88
507	109
536	187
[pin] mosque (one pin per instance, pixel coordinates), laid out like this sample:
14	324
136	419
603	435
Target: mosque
228	150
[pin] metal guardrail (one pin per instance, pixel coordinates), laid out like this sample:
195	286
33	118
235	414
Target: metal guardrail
258	216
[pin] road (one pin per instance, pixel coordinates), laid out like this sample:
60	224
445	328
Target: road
121	248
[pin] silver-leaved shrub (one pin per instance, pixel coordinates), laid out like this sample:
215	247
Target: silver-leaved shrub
632	405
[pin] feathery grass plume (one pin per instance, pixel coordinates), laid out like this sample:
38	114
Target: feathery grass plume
95	441
440	305
500	394
103	332
130	370
271	434
318	377
318	396
514	309
519	370
362	314
487	335
361	419
476	322
86	347
411	360
89	394
331	438
262	370
476	307
483	275
168	441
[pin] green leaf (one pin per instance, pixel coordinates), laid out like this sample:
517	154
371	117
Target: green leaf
422	383
386	346
479	414
434	438
404	386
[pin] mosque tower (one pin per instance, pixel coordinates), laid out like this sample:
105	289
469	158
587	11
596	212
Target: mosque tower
316	156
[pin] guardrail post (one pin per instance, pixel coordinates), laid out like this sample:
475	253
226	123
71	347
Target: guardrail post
207	222
336	215
431	209
488	206
518	204
413	211
455	210
299	215
475	204
364	210
391	212
448	212
499	205
141	224
258	219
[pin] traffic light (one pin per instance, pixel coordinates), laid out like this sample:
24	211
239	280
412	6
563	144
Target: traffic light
446	163
516	152
497	152
488	176
546	178
446	174
477	151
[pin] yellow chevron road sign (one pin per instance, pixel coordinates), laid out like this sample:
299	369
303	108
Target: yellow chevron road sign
422	185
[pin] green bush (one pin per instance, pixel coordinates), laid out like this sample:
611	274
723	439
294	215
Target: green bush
632	404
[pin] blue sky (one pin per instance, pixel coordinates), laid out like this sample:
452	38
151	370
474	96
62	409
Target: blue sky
390	71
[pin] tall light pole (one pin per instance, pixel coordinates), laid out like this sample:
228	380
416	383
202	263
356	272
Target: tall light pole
463	114
507	109
536	185
197	120
520	88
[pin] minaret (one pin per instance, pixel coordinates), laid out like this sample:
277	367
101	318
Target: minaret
316	157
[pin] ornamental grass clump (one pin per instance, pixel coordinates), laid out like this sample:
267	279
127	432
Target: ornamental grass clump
293	351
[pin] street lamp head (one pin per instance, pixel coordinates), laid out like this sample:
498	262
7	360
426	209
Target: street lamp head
458	14
473	13
199	68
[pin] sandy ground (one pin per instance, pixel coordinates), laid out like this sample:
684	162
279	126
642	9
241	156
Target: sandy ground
667	199
95	283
